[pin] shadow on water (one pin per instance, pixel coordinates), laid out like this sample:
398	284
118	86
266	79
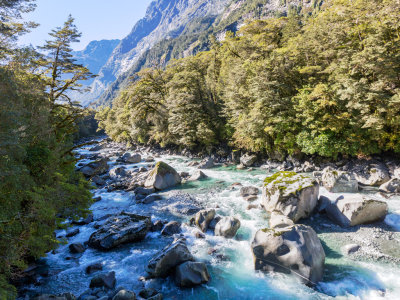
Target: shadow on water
344	280
329	252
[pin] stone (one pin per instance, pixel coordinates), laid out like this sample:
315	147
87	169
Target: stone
198	175
162	177
72	232
149	159
338	181
94	268
392	186
98	180
118	172
184	174
190	274
203	218
351	210
292	195
249	191
277	220
148	293
214	222
292	250
76	248
240	167
144	191
97	148
125	295
164	262
171	228
95	168
207	163
248	160
371	174
103	280
151	198
157	226
350	249
251	198
120	229
227	227
130	158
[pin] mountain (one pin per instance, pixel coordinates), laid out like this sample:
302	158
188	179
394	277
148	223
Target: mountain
177	28
95	55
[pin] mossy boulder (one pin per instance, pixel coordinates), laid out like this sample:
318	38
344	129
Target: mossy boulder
292	250
162	177
290	194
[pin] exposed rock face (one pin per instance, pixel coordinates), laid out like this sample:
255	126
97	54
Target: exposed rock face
291	194
296	250
207	163
162	177
120	229
203	218
227	227
167	259
103	280
338	182
248	160
191	274
374	174
392	186
95	168
351	210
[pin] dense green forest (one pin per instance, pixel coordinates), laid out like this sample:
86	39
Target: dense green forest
326	83
39	187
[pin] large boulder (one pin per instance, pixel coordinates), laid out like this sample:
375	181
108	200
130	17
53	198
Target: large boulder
103	280
118	172
227	227
351	210
203	218
171	228
120	229
249	191
97	167
392	186
291	250
277	220
291	194
338	181
162	177
198	175
374	174
191	274
125	295
130	158
248	160
207	163
167	259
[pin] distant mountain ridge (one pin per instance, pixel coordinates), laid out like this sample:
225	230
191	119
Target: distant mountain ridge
178	28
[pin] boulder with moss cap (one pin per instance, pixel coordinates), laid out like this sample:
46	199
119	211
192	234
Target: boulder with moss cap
290	194
162	177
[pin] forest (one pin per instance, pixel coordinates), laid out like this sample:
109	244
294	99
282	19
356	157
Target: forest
39	186
324	83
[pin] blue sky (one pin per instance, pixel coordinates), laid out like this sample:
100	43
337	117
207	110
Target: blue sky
96	19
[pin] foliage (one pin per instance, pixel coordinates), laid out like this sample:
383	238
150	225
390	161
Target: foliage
325	83
39	187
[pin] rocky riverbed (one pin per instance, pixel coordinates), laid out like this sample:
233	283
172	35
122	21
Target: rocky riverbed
178	227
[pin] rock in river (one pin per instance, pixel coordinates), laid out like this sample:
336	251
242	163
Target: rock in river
162	177
203	218
291	194
338	181
95	168
120	229
191	274
103	280
167	259
392	186
227	227
351	210
291	250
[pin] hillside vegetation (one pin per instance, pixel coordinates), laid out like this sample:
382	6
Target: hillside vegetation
324	83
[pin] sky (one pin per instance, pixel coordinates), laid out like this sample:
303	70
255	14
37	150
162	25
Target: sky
96	19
